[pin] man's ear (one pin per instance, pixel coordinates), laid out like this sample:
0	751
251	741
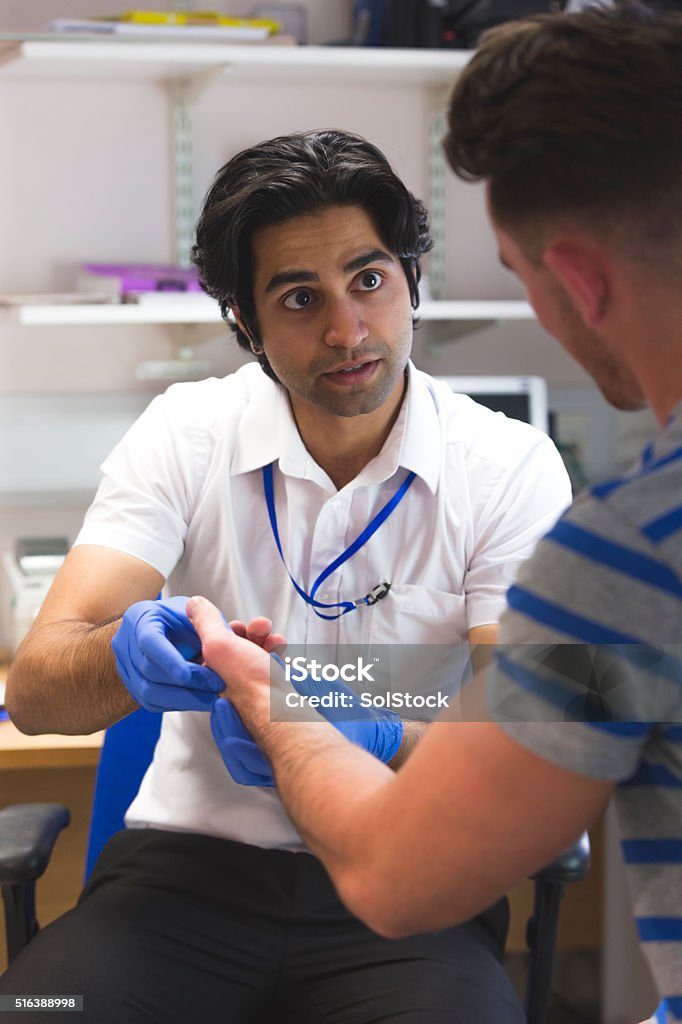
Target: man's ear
255	347
582	270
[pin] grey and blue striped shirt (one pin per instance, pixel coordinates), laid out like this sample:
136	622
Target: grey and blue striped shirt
591	647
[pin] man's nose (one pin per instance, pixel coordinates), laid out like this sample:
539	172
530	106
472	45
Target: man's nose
344	327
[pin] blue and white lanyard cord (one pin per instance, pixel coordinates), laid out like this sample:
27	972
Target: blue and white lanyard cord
377	592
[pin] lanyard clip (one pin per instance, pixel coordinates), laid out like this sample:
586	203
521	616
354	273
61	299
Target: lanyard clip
376	593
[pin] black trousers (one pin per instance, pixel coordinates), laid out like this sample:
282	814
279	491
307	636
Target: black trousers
174	928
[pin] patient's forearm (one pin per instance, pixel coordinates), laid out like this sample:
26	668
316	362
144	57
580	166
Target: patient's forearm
64	680
325	783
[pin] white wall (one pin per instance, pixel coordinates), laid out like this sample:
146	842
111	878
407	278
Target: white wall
84	174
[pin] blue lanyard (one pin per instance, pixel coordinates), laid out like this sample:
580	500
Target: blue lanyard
377	592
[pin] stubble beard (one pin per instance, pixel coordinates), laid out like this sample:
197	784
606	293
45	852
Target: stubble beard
360	399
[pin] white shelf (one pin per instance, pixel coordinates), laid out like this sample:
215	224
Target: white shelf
484	309
206	313
107	58
115	313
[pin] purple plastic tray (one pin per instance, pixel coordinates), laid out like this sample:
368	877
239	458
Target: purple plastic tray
148	277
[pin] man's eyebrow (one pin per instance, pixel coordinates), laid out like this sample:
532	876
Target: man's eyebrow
373	256
290	277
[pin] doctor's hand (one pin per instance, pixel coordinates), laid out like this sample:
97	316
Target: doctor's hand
154	646
377	731
243	758
246	672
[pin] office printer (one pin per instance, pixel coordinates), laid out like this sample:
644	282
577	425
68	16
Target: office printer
26	574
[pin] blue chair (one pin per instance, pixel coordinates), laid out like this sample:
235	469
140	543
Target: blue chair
28	833
126	754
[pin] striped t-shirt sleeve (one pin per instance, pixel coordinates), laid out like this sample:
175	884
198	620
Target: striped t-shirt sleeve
592	632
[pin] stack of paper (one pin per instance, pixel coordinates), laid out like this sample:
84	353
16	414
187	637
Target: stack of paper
177	26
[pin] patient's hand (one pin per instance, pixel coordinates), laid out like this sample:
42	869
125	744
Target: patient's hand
247	674
241	656
245	669
259	632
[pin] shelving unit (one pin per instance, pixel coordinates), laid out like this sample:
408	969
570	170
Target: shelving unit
187	71
177	312
190	68
194	66
94	57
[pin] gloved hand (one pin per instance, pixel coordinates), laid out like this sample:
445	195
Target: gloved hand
377	731
153	646
243	758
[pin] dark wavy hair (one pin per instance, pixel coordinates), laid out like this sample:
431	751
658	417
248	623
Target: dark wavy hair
286	177
577	116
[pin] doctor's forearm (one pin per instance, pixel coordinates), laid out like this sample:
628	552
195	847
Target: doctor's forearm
64	680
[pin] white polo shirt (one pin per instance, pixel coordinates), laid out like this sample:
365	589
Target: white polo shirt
183	491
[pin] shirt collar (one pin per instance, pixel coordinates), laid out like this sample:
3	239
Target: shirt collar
421	443
268	433
415	439
668	437
675	417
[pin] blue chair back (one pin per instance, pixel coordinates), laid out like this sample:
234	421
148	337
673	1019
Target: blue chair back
126	754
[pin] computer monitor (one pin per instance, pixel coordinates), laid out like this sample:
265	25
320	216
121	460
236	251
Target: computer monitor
522	398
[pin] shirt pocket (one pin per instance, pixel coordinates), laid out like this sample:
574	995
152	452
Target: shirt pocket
419	637
412	614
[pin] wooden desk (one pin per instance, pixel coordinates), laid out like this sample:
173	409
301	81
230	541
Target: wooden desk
19	751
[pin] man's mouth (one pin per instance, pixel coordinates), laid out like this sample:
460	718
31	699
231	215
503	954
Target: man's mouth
353	373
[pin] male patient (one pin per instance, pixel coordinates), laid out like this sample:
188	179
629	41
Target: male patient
300	489
574	123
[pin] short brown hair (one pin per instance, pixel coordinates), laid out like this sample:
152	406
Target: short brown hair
576	116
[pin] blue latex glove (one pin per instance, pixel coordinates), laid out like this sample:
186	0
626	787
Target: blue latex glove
244	760
153	646
377	731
